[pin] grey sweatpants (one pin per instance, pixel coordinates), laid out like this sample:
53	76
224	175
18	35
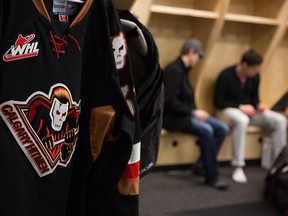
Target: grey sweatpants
275	122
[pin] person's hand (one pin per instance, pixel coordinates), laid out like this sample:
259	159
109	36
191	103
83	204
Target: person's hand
247	109
261	107
202	115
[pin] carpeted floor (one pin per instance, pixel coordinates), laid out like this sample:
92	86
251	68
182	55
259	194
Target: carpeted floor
181	193
247	209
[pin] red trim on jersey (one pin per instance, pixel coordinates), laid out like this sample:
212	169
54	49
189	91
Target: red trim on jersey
131	171
9	57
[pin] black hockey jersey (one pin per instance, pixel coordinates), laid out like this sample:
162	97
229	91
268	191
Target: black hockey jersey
106	180
41	44
148	81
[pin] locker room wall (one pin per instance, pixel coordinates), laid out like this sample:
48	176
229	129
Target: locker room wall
227	28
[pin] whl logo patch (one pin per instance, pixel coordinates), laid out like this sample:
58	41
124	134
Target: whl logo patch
23	48
45	127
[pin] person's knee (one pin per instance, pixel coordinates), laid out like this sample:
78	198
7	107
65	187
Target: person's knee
281	121
224	128
221	130
242	121
207	130
284	120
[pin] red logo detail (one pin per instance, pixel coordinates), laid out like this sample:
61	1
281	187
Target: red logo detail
63	18
23	48
45	127
24	40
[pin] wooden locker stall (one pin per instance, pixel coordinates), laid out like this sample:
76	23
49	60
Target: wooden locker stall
277	70
227	28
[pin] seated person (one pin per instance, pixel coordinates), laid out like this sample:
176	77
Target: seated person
180	113
236	96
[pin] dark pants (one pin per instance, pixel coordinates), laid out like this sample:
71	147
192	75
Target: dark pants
211	134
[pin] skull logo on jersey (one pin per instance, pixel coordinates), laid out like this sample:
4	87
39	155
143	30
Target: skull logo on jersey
120	50
45	127
58	114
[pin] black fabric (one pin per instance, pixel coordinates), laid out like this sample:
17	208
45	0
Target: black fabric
1	20
37	176
281	104
229	92
276	183
179	96
105	84
148	80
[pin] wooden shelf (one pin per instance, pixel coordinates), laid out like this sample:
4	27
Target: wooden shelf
258	8
183	11
205	5
251	19
212	15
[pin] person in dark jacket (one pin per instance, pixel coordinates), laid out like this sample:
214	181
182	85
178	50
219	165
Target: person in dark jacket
181	114
236	96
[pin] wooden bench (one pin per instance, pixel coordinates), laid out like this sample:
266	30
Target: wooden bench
179	149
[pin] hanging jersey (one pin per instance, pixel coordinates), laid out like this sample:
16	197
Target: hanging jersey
148	81
106	178
40	74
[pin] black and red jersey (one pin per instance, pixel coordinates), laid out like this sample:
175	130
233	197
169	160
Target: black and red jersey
110	185
58	60
41	46
149	88
123	99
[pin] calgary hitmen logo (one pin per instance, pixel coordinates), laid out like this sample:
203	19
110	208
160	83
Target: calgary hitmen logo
45	127
119	47
23	48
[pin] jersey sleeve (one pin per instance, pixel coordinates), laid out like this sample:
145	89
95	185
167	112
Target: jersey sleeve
110	112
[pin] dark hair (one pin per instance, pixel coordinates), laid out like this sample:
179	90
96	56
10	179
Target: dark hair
251	57
192	43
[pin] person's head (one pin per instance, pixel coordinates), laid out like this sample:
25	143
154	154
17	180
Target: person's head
250	63
191	52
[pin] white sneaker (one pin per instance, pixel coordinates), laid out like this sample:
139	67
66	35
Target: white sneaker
239	176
